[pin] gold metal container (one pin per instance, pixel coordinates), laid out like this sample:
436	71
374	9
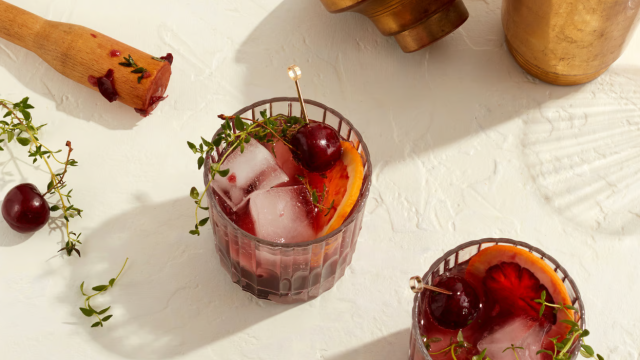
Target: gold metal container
415	24
567	42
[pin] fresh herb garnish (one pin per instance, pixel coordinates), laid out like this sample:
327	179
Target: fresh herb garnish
318	200
428	342
129	62
21	128
454	346
481	356
575	334
88	311
266	130
513	347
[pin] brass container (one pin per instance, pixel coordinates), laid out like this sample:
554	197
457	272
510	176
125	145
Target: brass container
415	24
567	42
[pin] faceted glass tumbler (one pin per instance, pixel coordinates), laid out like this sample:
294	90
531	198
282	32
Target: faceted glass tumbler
462	254
293	272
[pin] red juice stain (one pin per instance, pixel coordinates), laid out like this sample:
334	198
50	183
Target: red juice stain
232	178
105	85
114	53
94	36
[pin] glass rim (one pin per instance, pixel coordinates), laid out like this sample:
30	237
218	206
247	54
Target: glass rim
415	332
360	202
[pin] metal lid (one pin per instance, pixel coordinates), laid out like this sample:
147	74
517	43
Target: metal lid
414	24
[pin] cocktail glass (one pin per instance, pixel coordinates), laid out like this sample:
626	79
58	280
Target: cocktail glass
459	256
290	272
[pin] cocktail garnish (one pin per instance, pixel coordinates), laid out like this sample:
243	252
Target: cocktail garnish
455	347
513	348
20	122
267	130
295	74
417	286
561	348
88	311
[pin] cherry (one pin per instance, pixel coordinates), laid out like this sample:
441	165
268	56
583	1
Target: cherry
317	147
457	310
25	209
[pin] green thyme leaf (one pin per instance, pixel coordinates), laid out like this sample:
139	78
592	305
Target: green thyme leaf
23	141
96	324
112	281
200	162
223	173
192	146
570	322
194	193
106	318
239	123
203	222
87	312
99	287
588	349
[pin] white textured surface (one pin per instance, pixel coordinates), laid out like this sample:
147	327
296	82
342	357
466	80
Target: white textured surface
464	146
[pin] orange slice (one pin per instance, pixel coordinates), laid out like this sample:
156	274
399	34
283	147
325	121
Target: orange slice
498	263
343	183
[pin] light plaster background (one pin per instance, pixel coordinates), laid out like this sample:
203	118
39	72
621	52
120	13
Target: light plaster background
464	145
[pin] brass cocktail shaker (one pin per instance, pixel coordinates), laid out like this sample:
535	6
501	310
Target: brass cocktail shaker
415	24
567	42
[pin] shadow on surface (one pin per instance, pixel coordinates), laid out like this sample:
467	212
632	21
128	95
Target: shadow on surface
69	97
584	154
403	104
392	346
173	297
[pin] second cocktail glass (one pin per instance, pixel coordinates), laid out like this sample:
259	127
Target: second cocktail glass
457	259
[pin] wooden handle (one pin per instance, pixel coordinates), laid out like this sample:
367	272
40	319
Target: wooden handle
78	53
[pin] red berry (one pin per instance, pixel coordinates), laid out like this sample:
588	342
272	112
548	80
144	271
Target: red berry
25	209
317	147
114	53
457	310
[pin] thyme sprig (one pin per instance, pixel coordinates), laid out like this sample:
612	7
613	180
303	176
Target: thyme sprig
575	334
21	128
513	348
129	62
455	347
236	132
317	199
89	311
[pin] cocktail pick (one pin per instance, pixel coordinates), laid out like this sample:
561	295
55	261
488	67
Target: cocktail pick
295	74
417	286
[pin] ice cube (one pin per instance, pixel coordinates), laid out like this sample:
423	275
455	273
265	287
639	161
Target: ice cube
284	158
283	214
520	332
251	171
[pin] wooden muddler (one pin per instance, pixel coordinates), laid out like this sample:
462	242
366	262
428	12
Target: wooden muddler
80	53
